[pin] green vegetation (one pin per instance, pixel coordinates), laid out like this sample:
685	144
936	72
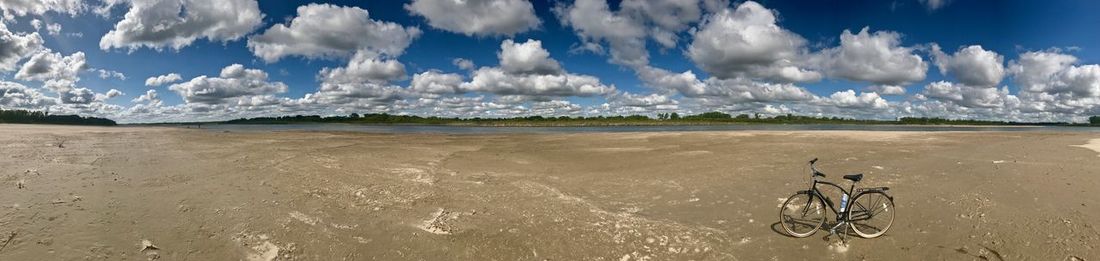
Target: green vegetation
1094	120
709	118
39	117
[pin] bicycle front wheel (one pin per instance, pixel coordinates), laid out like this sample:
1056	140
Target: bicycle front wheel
871	214
802	215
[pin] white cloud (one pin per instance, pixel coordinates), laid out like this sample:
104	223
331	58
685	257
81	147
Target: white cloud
1055	72
233	84
328	31
849	99
477	17
45	66
886	89
725	91
527	58
667	17
527	70
178	23
464	64
968	96
16	46
595	24
497	81
53	29
13	8
105	74
934	4
163	79
110	94
150	97
747	42
365	95
16	96
971	65
435	82
365	68
875	57
77	96
629	103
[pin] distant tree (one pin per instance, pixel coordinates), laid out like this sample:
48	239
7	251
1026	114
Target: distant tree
674	116
353	115
743	116
1094	119
757	116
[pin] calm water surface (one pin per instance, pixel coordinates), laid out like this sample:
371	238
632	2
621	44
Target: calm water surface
732	127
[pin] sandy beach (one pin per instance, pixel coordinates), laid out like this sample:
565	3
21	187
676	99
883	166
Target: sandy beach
136	193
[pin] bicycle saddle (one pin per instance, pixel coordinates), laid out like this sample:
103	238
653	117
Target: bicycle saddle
854	177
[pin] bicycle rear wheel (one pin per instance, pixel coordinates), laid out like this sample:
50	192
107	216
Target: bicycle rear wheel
802	215
871	214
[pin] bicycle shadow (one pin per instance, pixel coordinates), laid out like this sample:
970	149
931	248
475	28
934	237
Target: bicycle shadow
776	227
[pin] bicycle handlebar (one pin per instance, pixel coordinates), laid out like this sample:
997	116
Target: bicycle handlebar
813	170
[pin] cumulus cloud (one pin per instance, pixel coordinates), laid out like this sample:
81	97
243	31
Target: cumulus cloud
106	74
1055	72
1052	81
45	66
747	42
527	58
875	57
178	23
667	17
17	96
527	70
436	82
630	103
13	8
849	99
971	65
464	64
365	68
968	96
595	24
163	79
78	96
497	81
327	31
886	89
477	17
233	84
15	46
151	97
110	94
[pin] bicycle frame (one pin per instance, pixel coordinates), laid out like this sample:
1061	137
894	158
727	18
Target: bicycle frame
840	213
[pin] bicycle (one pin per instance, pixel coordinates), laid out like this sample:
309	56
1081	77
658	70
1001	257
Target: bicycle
870	212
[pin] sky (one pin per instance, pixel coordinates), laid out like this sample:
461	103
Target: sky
199	60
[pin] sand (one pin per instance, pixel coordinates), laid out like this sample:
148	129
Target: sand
133	193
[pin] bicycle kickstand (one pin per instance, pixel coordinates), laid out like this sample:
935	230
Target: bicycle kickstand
843	234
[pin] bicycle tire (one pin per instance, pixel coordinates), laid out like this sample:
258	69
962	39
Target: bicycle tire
871	214
809	205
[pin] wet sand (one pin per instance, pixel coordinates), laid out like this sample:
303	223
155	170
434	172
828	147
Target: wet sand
133	193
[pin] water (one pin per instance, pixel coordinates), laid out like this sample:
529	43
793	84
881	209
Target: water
731	127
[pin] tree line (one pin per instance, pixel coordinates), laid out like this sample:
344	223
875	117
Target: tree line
660	119
41	117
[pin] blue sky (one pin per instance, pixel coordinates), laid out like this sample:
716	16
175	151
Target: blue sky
885	77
